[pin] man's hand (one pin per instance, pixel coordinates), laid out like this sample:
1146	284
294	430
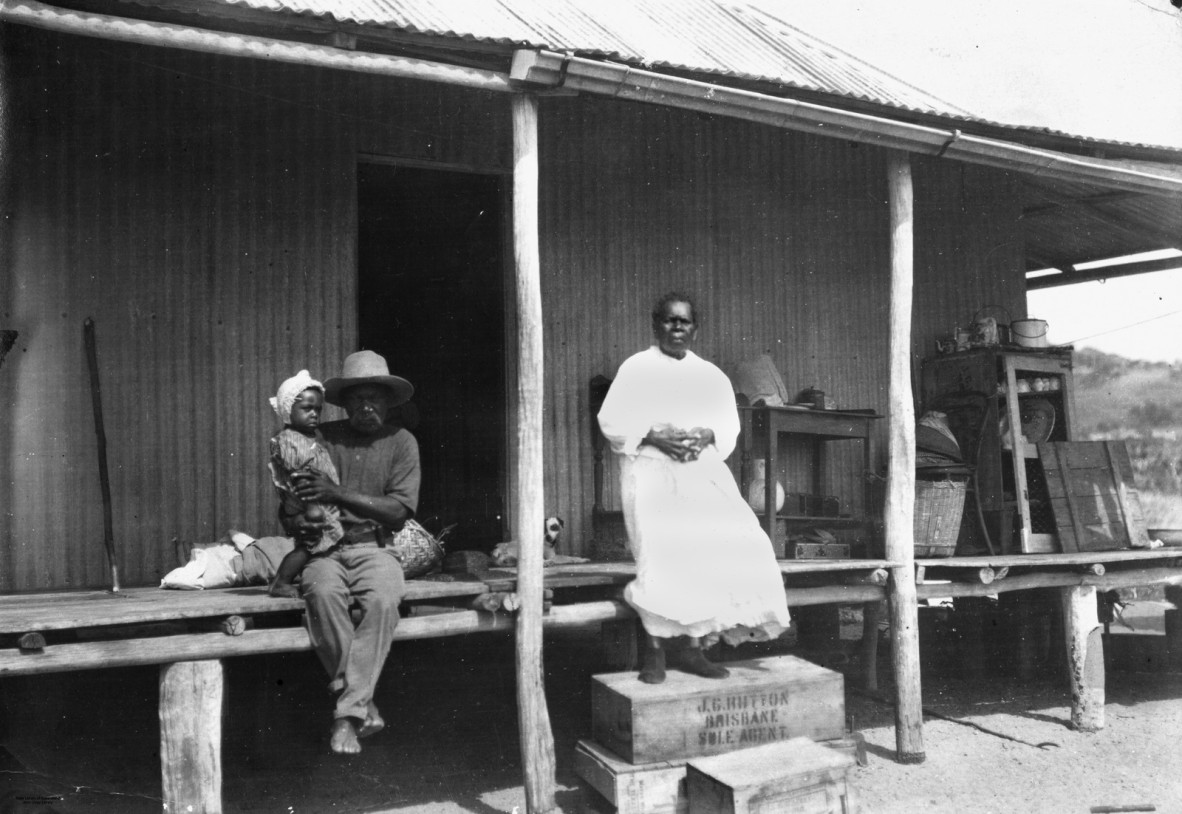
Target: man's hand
312	487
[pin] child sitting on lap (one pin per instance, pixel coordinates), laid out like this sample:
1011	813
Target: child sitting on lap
294	449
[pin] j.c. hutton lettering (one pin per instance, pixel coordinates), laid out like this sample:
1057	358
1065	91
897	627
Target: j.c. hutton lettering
724	703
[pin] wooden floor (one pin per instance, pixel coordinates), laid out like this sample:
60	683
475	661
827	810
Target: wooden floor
1138	555
69	610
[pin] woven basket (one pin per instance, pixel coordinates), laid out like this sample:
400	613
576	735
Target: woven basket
939	505
417	551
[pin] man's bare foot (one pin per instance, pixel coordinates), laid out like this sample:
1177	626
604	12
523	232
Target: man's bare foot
284	589
344	737
373	723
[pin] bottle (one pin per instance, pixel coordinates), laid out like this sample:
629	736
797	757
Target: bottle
756	491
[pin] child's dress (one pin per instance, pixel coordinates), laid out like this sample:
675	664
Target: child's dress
291	452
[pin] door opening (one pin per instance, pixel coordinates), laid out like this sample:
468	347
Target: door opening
431	300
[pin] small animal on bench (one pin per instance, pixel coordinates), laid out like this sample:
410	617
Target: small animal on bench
506	554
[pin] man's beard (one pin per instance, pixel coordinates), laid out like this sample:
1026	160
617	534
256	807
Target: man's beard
366	421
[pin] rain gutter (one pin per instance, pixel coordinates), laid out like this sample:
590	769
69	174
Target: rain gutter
550	70
104	26
545	69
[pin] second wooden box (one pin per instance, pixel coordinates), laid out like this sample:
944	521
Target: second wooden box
762	701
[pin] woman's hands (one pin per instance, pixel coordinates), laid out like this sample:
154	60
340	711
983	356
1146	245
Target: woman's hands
680	445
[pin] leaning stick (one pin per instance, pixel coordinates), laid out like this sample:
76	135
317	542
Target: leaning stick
96	397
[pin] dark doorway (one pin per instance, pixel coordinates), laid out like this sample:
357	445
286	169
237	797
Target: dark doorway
431	300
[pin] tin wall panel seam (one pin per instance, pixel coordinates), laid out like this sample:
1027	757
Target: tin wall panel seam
834	286
773	232
208	222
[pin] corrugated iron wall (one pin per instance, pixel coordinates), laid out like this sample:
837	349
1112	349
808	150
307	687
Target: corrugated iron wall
202	210
781	238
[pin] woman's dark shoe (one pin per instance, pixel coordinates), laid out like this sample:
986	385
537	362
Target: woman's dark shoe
691	660
652	668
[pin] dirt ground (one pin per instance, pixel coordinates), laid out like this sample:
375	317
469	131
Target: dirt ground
89	743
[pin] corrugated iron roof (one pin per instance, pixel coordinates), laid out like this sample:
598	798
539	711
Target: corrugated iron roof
730	38
720	37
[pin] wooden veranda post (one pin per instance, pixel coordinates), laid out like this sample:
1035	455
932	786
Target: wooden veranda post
537	741
191	698
900	496
1085	657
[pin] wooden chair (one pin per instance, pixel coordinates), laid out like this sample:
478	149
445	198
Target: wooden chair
609	539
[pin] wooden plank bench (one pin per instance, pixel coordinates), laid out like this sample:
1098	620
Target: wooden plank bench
181	631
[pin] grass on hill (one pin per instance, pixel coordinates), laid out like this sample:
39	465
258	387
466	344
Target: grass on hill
1141	403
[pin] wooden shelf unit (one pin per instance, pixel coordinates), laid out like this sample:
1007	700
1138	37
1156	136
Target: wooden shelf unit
762	428
984	392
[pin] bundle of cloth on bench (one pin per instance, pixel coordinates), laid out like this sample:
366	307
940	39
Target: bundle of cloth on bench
232	561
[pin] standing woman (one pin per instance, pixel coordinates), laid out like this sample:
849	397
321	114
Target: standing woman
704	566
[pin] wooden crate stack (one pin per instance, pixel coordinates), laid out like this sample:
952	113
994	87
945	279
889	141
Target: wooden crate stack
650	739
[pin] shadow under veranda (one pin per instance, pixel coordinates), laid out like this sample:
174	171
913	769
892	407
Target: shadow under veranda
961	689
89	741
451	726
452	734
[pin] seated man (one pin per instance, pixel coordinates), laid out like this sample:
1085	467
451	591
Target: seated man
378	465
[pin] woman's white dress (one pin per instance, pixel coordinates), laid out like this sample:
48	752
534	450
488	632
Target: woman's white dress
704	565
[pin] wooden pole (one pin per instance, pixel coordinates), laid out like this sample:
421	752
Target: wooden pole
191	736
96	399
1174	627
900	495
1085	658
871	616
537	741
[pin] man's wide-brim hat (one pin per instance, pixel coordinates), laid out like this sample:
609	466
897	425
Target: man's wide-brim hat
367	367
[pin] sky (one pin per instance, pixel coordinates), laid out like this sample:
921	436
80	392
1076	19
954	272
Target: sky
1107	69
1138	317
1102	68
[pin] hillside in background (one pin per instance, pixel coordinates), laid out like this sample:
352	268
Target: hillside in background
1141	403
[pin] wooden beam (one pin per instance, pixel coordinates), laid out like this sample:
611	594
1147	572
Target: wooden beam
900	496
537	740
166	35
1071	277
551	69
191	698
1055	579
61	658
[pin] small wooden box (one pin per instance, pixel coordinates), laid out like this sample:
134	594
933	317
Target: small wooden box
821	551
762	701
650	788
795	776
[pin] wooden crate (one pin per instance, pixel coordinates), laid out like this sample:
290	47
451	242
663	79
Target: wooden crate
762	701
650	788
627	788
795	776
